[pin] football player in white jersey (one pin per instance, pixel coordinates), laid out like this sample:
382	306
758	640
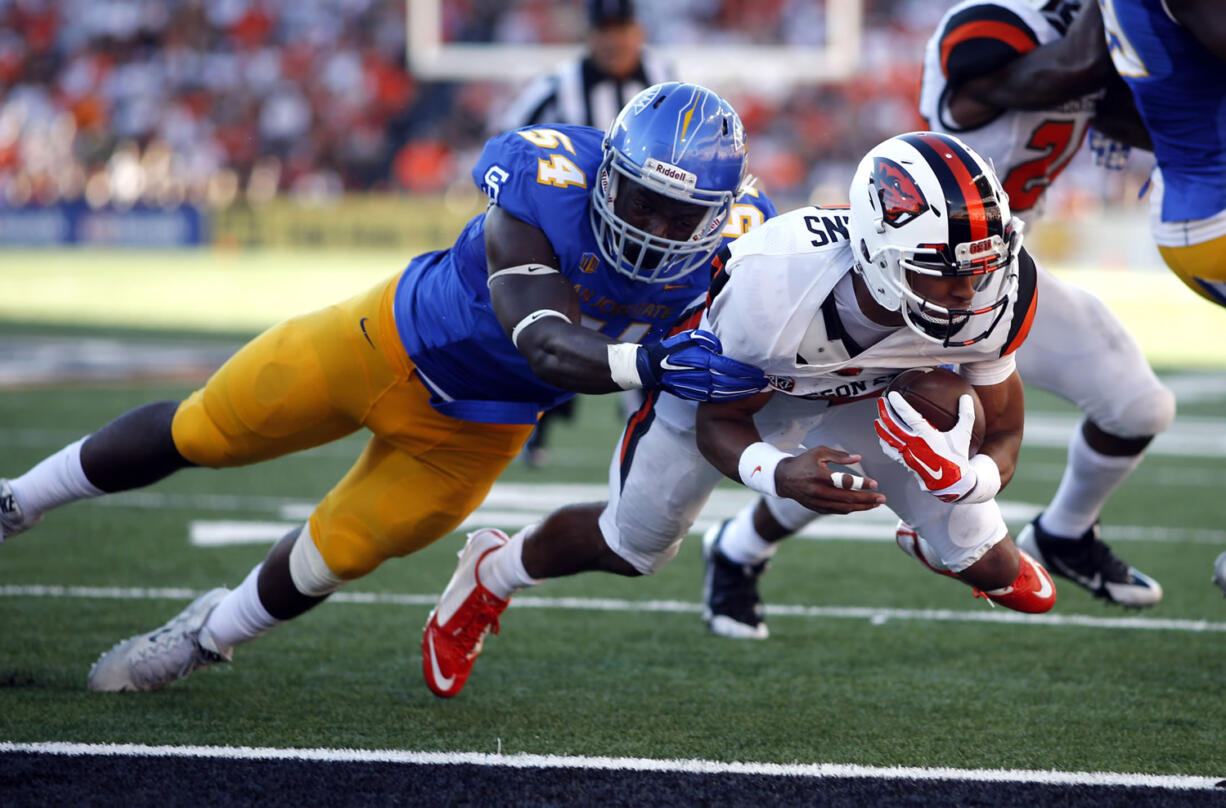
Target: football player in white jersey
925	268
1020	82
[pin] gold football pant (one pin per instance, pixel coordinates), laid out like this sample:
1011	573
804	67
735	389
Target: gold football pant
1200	264
319	377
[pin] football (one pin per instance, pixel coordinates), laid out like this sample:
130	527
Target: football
934	392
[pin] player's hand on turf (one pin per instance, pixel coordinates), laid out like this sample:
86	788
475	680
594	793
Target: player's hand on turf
691	365
808	479
939	460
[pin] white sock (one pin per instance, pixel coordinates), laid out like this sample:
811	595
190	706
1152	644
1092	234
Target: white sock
1089	480
240	616
741	543
502	571
55	481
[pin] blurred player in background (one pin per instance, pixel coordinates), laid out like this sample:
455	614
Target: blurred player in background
1021	82
925	268
588	248
588	91
1173	56
591	89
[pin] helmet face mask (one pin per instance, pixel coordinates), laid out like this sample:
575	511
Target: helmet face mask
676	141
924	205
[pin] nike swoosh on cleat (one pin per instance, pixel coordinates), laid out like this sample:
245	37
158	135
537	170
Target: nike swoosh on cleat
443	682
1045	587
1093	584
362	324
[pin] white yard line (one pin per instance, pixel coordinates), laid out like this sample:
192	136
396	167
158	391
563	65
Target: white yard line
526	761
516	505
874	615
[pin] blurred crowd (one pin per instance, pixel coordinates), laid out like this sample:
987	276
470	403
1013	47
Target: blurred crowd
164	101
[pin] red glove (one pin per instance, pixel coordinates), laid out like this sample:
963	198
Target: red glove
939	460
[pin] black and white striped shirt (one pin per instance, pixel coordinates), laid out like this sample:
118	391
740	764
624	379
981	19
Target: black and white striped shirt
578	92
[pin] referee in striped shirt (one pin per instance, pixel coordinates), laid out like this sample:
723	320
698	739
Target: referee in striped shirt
590	90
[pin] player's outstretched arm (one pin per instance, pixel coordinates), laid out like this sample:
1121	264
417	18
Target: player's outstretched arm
539	310
729	439
1066	68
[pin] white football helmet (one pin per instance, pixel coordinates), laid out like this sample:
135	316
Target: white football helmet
925	203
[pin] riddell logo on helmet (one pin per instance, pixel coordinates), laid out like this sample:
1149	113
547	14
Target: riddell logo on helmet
669	173
901	199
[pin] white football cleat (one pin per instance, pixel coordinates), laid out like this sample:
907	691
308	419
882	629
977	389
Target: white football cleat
152	661
1219	572
12	519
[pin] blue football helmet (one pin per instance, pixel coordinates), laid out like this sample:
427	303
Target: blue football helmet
681	141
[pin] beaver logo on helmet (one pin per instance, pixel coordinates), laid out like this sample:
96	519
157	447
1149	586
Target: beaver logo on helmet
901	199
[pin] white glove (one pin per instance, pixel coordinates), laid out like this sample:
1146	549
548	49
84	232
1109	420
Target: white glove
939	460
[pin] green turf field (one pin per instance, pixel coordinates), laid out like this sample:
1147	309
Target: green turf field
220	290
872	660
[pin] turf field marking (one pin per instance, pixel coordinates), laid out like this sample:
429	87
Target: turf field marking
527	761
873	614
516	505
1188	436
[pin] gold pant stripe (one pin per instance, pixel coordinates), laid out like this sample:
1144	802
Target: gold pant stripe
318	377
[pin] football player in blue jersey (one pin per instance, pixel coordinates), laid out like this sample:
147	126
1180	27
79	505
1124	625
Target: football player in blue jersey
1172	55
568	282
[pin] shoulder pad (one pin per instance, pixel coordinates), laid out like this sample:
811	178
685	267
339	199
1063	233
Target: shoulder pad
1024	305
528	171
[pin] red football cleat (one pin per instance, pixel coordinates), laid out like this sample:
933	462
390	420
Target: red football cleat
465	613
1033	592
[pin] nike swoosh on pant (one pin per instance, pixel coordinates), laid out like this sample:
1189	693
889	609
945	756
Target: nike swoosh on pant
362	325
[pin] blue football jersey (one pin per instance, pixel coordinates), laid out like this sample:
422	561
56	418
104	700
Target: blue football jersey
542	176
1180	90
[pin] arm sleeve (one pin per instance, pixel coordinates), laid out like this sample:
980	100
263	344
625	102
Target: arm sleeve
982	38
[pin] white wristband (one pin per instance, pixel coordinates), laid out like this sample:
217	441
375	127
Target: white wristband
987	480
624	366
534	317
757	466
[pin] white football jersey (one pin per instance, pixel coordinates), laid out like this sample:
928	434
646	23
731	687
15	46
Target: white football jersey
773	306
1027	147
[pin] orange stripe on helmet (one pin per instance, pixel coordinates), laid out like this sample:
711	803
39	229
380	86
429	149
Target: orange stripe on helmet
975	209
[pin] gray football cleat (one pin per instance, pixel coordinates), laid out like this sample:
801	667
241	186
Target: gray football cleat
12	519
1219	572
152	661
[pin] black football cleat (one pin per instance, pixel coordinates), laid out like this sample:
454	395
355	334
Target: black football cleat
1089	562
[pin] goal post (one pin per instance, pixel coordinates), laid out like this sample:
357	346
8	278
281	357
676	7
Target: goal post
743	66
